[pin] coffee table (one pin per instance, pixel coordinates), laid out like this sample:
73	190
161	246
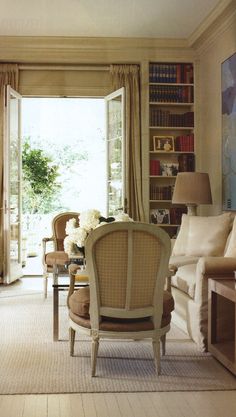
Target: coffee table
222	321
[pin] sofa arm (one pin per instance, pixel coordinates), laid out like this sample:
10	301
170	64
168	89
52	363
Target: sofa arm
214	265
211	267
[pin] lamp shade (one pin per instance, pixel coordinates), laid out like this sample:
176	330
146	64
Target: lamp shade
192	188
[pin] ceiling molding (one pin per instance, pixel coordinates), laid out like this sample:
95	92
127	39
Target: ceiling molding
82	50
223	11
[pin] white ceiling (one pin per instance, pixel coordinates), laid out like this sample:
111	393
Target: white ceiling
104	18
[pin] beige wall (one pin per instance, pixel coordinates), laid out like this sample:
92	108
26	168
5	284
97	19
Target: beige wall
211	54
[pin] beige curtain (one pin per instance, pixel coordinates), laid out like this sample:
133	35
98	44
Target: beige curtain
8	75
128	76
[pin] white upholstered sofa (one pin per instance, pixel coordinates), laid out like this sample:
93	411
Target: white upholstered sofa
205	247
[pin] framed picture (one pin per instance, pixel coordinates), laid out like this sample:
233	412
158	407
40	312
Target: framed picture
169	170
160	216
163	143
228	91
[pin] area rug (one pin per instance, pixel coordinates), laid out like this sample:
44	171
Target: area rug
30	362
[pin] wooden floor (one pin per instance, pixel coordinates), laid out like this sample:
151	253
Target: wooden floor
161	404
175	404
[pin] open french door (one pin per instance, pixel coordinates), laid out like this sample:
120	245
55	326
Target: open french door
12	266
115	139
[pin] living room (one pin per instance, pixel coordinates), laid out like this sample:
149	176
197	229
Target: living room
54	63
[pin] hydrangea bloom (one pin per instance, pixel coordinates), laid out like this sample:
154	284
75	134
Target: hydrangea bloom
88	220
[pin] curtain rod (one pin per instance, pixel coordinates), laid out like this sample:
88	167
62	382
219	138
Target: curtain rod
63	67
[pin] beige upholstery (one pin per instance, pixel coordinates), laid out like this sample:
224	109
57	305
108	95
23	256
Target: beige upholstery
127	265
54	262
190	282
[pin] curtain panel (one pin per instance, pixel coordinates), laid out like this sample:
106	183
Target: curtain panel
128	76
9	74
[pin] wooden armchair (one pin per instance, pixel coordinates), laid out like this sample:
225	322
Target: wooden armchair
127	263
54	261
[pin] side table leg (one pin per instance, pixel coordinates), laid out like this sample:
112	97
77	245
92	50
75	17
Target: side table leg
55	314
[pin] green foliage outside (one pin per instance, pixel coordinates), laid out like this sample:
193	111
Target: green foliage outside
40	177
46	177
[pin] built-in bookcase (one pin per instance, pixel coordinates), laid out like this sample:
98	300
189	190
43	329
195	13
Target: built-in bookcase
171	133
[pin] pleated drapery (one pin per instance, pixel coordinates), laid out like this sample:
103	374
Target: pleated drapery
128	76
9	75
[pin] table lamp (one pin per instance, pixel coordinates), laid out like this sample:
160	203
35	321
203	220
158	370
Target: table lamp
192	189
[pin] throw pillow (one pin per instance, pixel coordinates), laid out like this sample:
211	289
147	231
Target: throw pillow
182	238
207	235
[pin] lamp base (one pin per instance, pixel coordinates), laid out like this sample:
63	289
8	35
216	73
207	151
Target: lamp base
192	209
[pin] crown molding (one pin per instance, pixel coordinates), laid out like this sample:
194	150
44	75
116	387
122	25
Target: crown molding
82	50
223	12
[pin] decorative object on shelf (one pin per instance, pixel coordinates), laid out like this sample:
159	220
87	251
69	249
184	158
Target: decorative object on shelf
169	170
163	143
77	230
192	189
160	216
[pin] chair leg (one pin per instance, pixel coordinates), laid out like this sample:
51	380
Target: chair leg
94	352
45	284
72	340
55	274
156	351
163	344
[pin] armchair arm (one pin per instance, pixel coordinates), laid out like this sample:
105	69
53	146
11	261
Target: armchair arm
72	272
44	246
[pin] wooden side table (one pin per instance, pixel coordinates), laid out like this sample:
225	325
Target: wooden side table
222	321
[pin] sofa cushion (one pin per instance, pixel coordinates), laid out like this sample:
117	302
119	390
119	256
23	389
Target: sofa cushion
180	245
185	279
202	235
208	235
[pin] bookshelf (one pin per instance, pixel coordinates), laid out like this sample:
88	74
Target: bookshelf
171	133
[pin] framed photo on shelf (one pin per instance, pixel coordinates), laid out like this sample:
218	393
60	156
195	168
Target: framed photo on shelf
169	170
163	143
160	216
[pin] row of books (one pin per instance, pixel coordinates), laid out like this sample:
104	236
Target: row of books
165	118
186	163
158	192
184	143
171	94
167	216
171	73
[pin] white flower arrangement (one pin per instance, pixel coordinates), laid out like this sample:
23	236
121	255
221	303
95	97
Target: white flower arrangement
88	220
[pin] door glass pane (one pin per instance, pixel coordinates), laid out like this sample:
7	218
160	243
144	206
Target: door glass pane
115	152
14	197
12	187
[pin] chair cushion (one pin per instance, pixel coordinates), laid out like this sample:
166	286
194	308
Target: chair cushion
57	257
79	303
185	279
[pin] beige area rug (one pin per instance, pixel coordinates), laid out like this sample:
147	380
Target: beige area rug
30	362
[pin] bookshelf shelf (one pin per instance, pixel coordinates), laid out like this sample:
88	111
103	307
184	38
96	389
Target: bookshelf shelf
160	201
171	124
171	84
172	127
170	152
170	103
163	176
